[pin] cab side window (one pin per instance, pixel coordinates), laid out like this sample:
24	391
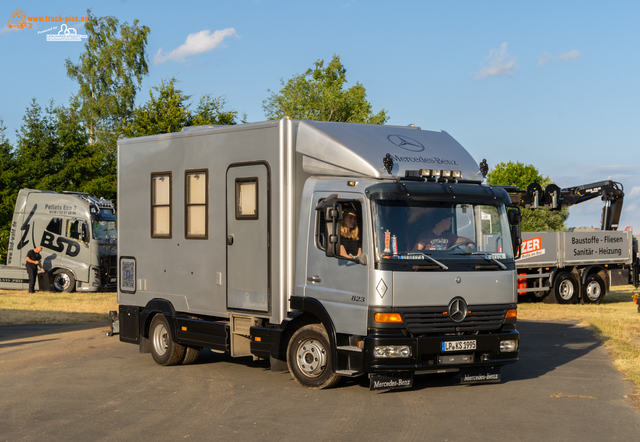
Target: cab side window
55	226
78	230
350	230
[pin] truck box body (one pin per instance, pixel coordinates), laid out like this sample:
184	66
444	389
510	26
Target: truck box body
223	235
610	254
78	238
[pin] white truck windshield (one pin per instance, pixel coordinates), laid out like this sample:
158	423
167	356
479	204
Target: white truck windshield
104	230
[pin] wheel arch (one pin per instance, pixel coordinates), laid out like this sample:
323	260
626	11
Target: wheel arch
308	311
153	307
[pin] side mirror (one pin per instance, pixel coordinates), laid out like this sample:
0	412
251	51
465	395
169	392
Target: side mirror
333	217
515	218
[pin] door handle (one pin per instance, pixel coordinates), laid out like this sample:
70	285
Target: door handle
314	278
230	240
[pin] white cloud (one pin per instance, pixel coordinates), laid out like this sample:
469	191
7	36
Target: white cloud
566	56
635	192
197	43
499	62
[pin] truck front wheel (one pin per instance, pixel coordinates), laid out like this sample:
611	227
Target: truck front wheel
593	290
309	358
565	290
63	281
163	348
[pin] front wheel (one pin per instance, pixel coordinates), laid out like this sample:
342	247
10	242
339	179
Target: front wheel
309	358
63	281
593	290
164	349
565	290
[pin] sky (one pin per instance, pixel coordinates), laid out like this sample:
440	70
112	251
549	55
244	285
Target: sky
554	84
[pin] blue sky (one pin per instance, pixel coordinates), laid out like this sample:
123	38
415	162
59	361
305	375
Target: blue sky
549	83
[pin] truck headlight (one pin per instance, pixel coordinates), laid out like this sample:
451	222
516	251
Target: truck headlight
510	345
392	351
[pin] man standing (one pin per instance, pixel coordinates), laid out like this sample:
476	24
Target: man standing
33	261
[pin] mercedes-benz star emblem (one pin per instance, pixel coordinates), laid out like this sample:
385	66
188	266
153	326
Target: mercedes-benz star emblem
457	309
406	143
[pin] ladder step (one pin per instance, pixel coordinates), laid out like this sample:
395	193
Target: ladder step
348	372
349	348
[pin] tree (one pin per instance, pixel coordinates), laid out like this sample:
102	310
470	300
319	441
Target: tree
7	187
521	175
109	73
168	111
319	95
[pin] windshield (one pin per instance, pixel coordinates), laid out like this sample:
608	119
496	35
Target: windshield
104	230
408	229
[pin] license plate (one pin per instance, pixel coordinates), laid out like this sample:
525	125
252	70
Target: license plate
458	345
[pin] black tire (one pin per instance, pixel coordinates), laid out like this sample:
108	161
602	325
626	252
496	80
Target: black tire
593	290
565	290
164	349
309	358
64	281
190	355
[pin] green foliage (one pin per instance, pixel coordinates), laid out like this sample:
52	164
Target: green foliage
521	175
168	111
7	186
319	95
109	73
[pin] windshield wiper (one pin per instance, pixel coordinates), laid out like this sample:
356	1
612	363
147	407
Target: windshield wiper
427	256
485	256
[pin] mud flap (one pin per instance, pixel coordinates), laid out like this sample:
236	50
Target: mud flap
480	376
388	382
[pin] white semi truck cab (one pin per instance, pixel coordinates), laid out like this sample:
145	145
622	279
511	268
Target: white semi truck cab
243	249
78	236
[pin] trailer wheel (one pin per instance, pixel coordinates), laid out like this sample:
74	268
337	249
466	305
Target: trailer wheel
63	281
565	290
163	348
593	290
309	358
190	355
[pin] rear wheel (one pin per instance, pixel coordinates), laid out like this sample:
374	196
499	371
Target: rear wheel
63	281
163	348
593	290
309	358
190	355
565	290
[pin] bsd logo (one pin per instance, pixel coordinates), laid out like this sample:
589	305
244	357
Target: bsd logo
73	248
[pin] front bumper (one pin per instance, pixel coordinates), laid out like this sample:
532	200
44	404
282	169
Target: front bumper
427	354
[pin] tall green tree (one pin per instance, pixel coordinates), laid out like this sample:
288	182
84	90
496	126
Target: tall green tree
7	190
168	111
521	175
319	94
109	73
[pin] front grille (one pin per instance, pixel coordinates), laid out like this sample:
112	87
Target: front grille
108	270
434	319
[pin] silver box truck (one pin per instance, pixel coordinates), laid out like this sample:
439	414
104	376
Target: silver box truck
78	236
230	239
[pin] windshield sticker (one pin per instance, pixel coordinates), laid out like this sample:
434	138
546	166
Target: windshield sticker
498	255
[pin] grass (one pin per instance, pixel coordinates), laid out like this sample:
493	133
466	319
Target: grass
615	322
20	307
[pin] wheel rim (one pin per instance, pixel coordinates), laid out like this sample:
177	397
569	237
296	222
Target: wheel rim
593	290
62	282
311	358
566	290
160	339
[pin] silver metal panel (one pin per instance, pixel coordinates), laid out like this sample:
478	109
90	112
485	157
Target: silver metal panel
360	149
438	288
247	255
343	285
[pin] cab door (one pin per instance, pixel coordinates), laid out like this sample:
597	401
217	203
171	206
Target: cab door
341	285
